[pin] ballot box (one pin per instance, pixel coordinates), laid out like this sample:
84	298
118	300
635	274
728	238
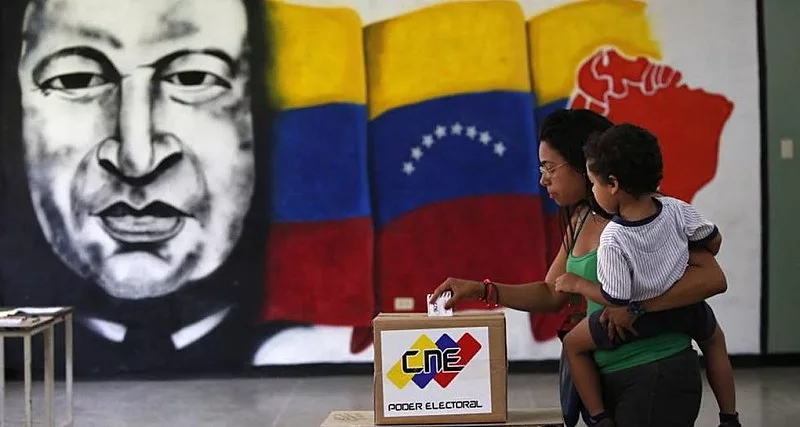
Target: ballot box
440	369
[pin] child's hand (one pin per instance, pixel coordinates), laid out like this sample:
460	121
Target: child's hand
569	283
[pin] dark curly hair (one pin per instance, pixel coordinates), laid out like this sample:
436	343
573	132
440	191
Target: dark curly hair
630	154
567	131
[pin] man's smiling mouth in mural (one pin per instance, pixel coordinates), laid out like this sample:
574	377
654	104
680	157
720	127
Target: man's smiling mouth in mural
154	223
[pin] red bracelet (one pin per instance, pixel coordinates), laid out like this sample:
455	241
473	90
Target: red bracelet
490	288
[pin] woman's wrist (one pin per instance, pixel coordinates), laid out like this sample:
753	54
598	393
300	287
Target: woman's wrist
491	293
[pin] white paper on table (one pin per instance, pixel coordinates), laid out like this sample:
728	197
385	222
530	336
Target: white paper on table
39	310
10	321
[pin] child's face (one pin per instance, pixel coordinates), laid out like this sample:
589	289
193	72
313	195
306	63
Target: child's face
604	192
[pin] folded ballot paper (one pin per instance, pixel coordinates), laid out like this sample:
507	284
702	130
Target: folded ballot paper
436	308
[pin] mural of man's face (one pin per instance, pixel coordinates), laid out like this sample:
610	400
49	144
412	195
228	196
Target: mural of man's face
138	137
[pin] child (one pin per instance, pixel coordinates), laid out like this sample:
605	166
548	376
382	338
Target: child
642	252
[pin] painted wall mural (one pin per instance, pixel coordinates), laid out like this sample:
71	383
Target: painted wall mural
215	197
136	167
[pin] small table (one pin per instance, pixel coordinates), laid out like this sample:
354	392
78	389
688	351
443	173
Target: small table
26	323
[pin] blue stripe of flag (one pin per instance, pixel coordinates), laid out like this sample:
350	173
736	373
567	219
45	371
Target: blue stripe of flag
320	163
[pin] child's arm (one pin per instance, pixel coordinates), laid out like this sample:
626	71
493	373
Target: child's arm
615	275
593	292
574	284
614	272
713	244
701	232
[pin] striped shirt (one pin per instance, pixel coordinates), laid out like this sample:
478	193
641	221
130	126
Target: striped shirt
639	260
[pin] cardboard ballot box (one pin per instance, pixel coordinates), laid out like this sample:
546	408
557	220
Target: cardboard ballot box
440	369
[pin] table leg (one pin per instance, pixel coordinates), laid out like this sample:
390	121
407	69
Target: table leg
2	381
28	396
68	368
48	376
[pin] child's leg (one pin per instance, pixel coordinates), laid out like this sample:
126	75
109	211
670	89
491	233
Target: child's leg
711	339
720	376
578	345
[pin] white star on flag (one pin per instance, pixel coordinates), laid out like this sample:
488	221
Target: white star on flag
440	132
408	168
427	140
416	153
485	138
499	149
471	132
456	129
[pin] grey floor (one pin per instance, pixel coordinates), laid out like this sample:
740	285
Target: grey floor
767	397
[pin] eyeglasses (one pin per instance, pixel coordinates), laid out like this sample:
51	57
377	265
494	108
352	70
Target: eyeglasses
548	172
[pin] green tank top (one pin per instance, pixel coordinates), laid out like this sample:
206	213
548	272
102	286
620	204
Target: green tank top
631	354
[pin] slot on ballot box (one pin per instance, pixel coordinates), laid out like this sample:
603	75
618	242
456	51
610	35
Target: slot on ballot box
440	369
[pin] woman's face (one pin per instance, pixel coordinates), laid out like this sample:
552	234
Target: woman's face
565	185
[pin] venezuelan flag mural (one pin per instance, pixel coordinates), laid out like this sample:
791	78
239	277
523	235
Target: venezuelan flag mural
321	236
455	170
455	92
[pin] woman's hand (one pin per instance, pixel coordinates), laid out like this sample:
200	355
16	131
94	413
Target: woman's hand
617	321
461	289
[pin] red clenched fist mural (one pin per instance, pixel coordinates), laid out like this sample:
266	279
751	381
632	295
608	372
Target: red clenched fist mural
688	122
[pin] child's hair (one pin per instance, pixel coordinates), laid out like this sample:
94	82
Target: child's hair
629	153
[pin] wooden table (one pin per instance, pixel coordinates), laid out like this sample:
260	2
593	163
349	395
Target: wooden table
25	324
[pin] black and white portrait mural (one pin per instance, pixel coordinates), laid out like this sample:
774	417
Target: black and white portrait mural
138	137
131	187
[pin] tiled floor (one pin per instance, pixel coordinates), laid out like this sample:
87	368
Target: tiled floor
768	397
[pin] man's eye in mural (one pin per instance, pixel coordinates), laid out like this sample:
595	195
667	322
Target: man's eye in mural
75	72
194	78
74	81
195	87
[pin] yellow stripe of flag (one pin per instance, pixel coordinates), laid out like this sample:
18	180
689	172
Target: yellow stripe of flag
317	55
447	49
562	38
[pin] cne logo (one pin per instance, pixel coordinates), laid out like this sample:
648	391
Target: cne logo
439	361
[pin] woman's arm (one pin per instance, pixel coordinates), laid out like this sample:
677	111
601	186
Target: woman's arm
537	297
702	280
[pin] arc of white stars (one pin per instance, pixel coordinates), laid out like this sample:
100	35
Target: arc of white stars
457	129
